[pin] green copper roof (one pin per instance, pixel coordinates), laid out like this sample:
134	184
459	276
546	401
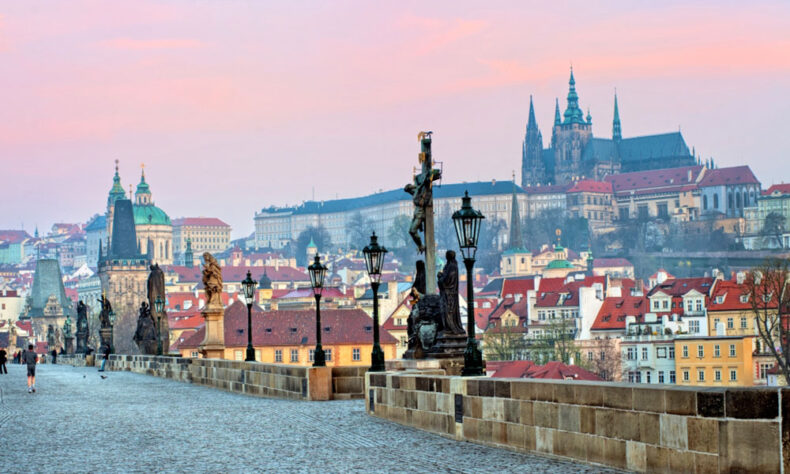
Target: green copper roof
515	251
617	134
150	215
560	264
116	192
312	244
573	114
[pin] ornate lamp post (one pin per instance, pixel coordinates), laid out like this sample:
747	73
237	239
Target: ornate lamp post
374	258
467	228
111	316
317	274
248	286
159	306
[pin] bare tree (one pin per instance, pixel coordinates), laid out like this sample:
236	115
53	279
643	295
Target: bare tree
774	226
769	297
606	360
556	342
504	343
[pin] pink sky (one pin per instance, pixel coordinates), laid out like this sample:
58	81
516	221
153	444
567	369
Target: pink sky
238	105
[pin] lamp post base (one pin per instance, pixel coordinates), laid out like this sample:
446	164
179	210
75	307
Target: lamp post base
319	357
473	360
250	355
377	359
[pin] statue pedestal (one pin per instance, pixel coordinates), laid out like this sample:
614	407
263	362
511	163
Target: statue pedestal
448	346
105	335
82	338
447	366
213	346
69	348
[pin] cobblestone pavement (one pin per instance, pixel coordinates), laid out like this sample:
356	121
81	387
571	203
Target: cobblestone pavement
79	422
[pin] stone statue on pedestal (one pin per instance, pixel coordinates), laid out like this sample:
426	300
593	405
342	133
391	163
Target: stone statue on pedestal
104	315
156	289
145	335
82	327
212	281
448	288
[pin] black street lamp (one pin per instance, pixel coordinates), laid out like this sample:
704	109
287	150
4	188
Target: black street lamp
111	316
248	286
374	258
159	306
317	274
467	228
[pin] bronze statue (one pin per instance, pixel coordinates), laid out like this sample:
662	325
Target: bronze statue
422	190
145	335
448	289
67	327
156	283
212	280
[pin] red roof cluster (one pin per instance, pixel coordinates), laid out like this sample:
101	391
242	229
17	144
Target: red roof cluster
655	181
728	176
230	273
680	286
591	186
13	236
614	309
293	328
517	286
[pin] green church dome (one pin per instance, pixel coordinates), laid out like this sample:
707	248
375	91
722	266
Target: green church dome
559	264
150	215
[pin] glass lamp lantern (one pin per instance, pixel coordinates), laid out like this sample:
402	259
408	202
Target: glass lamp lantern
467	222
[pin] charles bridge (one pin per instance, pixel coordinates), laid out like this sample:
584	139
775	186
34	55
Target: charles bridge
176	414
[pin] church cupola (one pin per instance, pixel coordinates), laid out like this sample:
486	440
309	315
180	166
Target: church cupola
143	193
116	192
616	132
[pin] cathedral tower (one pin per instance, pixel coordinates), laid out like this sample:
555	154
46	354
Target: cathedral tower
571	136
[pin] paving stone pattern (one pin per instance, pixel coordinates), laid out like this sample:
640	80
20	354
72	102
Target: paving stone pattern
78	422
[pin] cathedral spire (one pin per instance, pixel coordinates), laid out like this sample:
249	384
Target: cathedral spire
532	124
116	192
557	120
573	114
143	193
515	220
616	131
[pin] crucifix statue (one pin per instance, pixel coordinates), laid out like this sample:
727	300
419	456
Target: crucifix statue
422	191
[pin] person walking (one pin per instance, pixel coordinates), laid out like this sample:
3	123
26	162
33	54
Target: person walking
54	356
3	360
104	359
30	358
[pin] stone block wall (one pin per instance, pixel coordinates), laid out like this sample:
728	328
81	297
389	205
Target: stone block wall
74	360
642	428
251	378
348	382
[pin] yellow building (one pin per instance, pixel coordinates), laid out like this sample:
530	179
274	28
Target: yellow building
397	326
289	337
714	361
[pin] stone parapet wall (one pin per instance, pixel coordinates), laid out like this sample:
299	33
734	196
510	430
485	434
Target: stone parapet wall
348	382
250	378
640	428
75	360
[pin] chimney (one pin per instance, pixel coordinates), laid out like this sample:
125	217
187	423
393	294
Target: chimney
740	277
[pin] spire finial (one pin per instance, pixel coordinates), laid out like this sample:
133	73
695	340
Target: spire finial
130	191
556	111
532	124
142	171
616	129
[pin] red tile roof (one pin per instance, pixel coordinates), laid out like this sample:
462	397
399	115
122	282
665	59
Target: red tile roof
729	292
611	262
591	186
614	310
199	221
188	321
728	176
230	273
554	299
13	236
681	286
293	328
517	286
389	324
655	181
783	188
556	370
188	333
512	369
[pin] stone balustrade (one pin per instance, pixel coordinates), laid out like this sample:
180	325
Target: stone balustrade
644	428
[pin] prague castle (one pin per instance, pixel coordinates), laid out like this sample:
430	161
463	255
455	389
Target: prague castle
574	153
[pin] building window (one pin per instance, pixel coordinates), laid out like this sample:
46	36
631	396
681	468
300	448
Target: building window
661	352
717	375
195	354
764	368
294	355
733	375
647	377
404	341
328	355
311	358
730	323
686	377
278	355
685	352
355	355
671	376
732	350
631	353
743	323
644	353
700	351
701	375
589	355
661	376
694	327
238	355
666	304
699	306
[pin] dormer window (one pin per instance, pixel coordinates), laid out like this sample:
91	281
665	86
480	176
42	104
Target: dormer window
719	299
744	298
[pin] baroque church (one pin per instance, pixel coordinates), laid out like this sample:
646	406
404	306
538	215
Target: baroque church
574	153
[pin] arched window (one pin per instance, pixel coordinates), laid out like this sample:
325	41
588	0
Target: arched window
729	201
704	202
745	199
738	199
716	201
